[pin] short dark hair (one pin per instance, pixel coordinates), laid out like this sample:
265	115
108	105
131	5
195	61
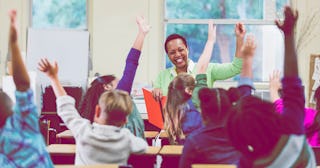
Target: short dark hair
214	104
173	37
5	108
254	127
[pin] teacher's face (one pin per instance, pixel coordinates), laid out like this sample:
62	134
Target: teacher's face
178	53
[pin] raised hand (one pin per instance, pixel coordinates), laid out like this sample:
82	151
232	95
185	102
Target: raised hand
13	37
249	47
51	70
212	31
240	30
143	26
274	85
289	22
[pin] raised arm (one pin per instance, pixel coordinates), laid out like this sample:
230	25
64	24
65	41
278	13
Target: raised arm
51	70
290	61
19	70
274	85
132	61
240	32
293	96
205	57
247	52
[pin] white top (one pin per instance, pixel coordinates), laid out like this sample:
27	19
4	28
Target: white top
96	143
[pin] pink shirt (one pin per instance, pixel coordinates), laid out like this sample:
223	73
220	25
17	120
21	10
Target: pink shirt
308	120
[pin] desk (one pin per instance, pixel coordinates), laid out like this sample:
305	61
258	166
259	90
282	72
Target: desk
171	155
65	137
213	166
88	166
62	153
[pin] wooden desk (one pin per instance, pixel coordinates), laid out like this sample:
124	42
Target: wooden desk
171	155
213	166
62	153
88	166
171	150
65	137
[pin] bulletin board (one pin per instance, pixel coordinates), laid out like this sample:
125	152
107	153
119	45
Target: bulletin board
314	77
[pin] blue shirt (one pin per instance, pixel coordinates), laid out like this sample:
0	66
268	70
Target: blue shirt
21	142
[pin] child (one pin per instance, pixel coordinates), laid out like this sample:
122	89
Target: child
181	115
211	143
21	143
264	137
311	124
109	82
103	141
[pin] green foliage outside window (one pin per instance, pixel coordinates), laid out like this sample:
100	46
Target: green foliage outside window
59	14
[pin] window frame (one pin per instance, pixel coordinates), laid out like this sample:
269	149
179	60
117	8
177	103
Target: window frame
269	14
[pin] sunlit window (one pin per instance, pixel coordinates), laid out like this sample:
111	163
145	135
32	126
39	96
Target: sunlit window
59	14
189	19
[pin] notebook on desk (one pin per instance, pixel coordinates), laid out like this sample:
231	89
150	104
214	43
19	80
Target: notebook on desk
154	108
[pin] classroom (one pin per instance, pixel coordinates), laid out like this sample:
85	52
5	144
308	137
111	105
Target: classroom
128	41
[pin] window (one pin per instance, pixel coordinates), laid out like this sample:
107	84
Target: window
59	14
189	18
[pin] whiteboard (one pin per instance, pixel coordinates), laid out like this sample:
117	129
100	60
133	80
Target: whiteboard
70	48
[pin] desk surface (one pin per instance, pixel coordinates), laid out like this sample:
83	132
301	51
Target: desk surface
213	166
147	134
171	150
88	166
65	134
62	149
70	149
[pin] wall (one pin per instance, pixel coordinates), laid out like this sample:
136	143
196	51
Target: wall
310	42
22	6
114	30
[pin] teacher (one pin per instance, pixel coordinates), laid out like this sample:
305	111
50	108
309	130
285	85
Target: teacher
177	50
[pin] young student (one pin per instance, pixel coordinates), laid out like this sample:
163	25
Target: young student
210	144
21	142
105	140
109	82
181	115
178	52
266	138
311	124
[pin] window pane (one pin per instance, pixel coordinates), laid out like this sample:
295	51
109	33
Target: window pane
59	14
214	9
279	8
269	54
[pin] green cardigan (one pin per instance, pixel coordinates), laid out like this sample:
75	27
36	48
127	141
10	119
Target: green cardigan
215	72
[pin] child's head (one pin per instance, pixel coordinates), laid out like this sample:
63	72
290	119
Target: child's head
5	108
253	126
179	92
215	105
91	98
113	108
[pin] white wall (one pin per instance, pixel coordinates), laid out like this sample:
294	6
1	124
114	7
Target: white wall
113	29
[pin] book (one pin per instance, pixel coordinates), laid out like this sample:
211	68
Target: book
154	108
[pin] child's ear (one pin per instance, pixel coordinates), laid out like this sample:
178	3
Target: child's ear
188	91
107	87
97	111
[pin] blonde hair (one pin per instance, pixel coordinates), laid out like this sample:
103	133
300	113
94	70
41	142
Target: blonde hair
176	105
116	105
